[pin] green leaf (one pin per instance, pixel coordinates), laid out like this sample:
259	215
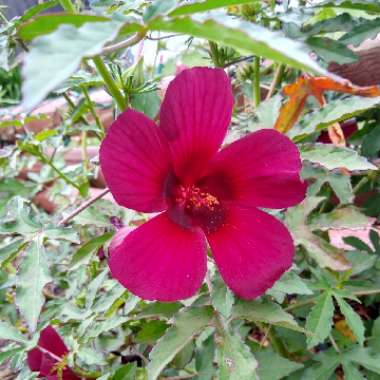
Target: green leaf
9	332
342	22
19	218
204	360
54	57
5	355
159	8
93	287
363	5
351	371
148	103
335	111
90	356
323	371
159	310
340	183
244	36
331	51
353	320
89	248
187	324
333	157
267	312
105	326
206	5
367	30
184	356
361	261
267	113
151	331
291	283
46	24
345	217
8	249
126	372
33	275
319	320
221	297
374	341
236	361
371	143
92	216
355	242
319	249
363	357
32	11
62	233
273	366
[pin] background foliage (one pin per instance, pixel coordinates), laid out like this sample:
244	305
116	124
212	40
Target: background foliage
319	321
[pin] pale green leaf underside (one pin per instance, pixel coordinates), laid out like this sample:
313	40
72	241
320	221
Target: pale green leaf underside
32	277
333	157
188	323
244	36
54	57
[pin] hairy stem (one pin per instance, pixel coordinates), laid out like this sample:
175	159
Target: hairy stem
110	83
256	81
90	104
82	207
278	75
124	44
61	175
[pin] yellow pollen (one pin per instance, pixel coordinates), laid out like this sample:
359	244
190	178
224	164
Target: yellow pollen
192	198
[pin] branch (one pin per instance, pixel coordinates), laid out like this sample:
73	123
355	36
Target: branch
163	37
82	207
124	44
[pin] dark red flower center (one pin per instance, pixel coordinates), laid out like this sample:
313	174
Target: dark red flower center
191	206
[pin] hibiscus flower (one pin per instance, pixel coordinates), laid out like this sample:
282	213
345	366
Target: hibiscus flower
204	194
49	356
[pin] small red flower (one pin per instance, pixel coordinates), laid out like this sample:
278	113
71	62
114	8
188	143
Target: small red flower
203	194
49	355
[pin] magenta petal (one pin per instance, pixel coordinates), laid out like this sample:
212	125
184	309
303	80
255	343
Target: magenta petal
34	359
194	116
52	342
135	161
160	260
252	250
47	366
261	170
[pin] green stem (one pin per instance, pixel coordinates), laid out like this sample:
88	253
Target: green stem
256	81
86	163
110	83
93	111
72	107
277	79
68	6
360	185
60	174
